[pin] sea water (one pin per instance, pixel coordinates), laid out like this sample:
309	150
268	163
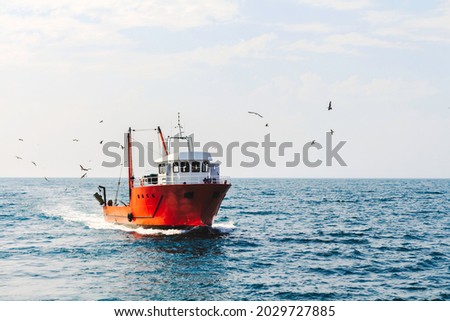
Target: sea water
273	239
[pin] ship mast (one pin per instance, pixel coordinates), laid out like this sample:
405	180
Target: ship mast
162	140
130	163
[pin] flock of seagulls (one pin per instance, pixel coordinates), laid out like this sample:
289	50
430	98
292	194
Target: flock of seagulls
20	158
84	169
75	140
330	107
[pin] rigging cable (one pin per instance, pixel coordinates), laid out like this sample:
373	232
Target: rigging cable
118	185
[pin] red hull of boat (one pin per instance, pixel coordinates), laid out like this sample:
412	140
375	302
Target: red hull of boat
169	206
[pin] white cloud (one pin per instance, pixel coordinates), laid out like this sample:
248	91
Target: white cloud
325	47
40	32
308	28
384	16
341	43
338	4
428	26
256	47
171	14
158	66
392	90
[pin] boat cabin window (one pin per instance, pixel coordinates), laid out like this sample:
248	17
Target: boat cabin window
205	166
176	167
185	167
195	167
162	168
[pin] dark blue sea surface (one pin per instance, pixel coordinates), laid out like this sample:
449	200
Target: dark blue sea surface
274	239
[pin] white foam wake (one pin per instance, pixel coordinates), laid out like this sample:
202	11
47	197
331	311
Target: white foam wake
224	227
95	220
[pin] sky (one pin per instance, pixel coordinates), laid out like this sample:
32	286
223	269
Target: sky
66	65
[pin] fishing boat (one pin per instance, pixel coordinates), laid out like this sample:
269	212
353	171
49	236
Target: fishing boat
186	192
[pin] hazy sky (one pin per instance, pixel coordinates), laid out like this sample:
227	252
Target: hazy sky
65	65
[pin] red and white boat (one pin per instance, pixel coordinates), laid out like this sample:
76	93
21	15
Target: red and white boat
186	192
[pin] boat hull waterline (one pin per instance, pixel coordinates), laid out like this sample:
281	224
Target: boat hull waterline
181	206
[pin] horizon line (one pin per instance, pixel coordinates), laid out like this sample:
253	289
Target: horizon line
236	177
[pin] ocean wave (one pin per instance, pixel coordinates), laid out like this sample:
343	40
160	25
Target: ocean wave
310	242
430	193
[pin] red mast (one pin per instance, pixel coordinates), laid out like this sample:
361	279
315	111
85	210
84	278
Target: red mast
162	140
130	163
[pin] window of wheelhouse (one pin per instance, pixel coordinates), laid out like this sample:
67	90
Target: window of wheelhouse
162	168
185	167
205	166
176	167
195	167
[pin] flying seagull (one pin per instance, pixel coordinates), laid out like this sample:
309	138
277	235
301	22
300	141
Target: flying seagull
34	163
83	176
85	169
254	113
329	106
75	140
18	157
313	142
101	142
21	139
331	131
101	121
259	115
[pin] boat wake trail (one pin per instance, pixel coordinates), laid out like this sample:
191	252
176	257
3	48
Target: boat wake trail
67	213
94	220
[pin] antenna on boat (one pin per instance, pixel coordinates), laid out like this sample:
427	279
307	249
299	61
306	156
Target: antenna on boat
180	135
180	128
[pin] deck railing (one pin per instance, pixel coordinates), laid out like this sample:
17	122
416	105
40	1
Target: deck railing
188	179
